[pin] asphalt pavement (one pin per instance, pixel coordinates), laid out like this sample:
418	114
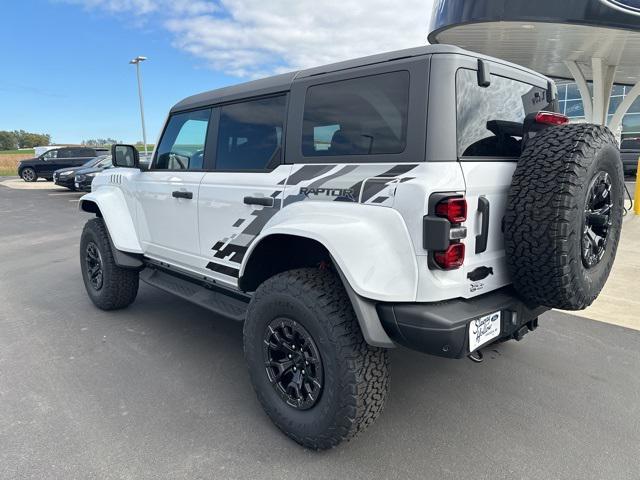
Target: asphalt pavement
160	390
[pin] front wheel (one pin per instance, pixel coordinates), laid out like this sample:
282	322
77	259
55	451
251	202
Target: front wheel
312	370
109	286
28	174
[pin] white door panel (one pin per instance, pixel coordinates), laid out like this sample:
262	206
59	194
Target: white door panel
168	226
227	224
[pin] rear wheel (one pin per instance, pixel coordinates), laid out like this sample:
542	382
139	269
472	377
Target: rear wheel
109	286
28	174
564	215
313	373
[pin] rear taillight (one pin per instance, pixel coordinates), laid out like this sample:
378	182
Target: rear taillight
551	118
443	230
451	258
453	209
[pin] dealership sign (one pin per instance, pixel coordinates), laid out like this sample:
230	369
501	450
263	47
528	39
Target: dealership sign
628	5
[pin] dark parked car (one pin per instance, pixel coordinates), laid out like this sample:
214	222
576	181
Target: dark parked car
65	177
85	176
629	153
47	163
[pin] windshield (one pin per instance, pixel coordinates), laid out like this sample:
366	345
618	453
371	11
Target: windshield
105	162
94	161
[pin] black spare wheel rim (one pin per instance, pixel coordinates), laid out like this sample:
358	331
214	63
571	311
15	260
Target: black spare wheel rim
293	363
597	219
94	265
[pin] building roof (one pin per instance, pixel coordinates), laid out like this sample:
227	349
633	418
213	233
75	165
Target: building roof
542	34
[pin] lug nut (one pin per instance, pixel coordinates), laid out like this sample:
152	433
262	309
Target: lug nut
290	356
294	369
303	372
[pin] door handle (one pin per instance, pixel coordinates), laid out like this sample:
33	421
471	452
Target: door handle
481	240
264	201
181	194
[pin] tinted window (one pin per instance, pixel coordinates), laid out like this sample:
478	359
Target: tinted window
630	144
490	119
82	152
182	144
65	153
250	135
360	116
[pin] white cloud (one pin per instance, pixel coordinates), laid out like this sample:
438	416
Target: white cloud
250	38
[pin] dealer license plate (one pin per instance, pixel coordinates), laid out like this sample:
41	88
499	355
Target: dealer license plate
483	329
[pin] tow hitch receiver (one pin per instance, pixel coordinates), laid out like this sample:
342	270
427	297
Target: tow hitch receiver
526	328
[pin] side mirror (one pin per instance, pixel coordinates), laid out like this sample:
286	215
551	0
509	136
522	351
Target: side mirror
125	156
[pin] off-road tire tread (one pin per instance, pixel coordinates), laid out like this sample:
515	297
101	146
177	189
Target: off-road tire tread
120	286
364	374
540	239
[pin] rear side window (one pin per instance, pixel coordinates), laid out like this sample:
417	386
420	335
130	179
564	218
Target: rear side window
490	119
250	134
360	116
83	152
65	153
182	144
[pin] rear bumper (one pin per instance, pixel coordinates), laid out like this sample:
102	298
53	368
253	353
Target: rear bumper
443	328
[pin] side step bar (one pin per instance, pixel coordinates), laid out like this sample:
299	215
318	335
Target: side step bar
232	305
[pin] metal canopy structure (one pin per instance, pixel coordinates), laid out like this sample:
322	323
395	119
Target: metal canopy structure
587	40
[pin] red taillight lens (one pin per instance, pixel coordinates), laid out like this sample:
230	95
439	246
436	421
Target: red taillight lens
551	118
453	209
451	258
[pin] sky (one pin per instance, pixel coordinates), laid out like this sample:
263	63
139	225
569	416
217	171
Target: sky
64	66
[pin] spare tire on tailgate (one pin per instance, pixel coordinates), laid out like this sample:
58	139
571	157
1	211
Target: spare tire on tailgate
564	215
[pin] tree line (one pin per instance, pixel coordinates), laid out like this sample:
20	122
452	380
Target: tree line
21	139
100	142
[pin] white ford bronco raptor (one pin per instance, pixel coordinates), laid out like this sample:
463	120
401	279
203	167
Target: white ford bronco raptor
429	198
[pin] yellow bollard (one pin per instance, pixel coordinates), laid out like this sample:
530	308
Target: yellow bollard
636	201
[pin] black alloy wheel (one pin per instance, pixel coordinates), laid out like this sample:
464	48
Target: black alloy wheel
94	265
597	219
29	175
293	363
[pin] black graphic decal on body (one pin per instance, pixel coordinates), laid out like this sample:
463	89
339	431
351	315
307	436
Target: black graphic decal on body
223	269
235	250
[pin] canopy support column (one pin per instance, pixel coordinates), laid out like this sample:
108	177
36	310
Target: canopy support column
581	82
602	83
616	121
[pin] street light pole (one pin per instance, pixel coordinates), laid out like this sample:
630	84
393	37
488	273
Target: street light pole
136	61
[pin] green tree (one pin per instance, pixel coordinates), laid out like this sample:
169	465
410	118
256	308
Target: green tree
8	140
30	140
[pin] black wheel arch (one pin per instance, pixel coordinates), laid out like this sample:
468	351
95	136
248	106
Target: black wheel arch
277	253
90	206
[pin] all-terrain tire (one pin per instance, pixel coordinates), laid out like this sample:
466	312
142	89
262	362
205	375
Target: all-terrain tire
545	219
117	287
356	378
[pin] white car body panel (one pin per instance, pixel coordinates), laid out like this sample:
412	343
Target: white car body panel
371	245
168	226
118	206
223	216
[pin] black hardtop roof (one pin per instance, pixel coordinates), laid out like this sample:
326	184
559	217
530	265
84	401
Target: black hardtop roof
282	83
